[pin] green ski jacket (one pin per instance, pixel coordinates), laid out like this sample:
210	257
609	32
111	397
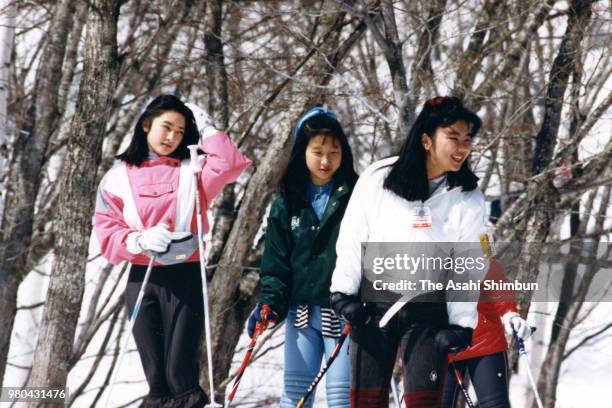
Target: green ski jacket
300	253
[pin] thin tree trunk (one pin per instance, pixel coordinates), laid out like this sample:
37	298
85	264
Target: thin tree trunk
78	183
391	46
471	59
214	59
563	65
215	65
229	312
421	72
24	169
512	57
142	81
7	32
556	351
539	213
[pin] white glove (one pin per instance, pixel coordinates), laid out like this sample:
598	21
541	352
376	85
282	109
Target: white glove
513	320
204	122
155	239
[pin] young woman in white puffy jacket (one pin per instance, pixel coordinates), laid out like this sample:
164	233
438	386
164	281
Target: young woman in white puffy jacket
426	194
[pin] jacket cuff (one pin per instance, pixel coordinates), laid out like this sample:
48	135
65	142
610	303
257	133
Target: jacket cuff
131	243
208	132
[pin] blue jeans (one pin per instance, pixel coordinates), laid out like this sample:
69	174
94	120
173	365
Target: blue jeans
304	350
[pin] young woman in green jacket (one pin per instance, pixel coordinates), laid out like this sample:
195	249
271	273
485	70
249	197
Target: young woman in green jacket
300	255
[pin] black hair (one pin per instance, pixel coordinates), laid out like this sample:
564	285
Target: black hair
138	149
296	174
408	175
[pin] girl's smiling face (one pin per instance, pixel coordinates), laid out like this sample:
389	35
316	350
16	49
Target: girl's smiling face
165	132
323	158
447	149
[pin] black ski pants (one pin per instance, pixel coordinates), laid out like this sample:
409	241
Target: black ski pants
168	328
488	374
373	351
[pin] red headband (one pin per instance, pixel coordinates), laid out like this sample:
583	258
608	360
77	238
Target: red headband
438	100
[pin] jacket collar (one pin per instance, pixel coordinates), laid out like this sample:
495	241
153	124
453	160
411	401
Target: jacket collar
340	189
155	160
442	190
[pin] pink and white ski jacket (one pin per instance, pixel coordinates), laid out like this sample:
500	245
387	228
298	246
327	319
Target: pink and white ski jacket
132	198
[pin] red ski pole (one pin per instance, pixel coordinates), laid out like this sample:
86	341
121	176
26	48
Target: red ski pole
260	327
457	373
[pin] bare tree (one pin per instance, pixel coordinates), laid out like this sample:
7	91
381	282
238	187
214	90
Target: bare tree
7	33
34	133
258	65
388	40
229	312
78	185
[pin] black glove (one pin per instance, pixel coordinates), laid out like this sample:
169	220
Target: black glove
350	309
453	339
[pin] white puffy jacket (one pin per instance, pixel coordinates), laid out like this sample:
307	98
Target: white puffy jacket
375	214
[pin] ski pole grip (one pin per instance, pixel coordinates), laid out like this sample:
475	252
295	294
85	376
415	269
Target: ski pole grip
193	154
518	340
265	309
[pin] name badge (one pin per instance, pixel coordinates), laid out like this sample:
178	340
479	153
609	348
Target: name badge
421	217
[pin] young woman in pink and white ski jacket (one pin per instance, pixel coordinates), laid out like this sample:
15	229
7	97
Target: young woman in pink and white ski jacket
145	204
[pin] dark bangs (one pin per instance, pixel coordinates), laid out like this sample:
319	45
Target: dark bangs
138	149
408	175
296	174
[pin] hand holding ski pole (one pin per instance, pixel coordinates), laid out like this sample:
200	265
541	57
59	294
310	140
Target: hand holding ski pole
328	363
194	163
522	352
259	314
260	327
514	324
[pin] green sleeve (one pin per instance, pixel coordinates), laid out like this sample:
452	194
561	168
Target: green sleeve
276	262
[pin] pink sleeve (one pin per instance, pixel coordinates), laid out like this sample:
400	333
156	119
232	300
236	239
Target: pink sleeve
110	227
223	165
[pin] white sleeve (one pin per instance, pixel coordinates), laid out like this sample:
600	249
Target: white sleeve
354	230
474	214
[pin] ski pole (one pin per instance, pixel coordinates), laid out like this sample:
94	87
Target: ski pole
328	363
132	322
193	151
259	329
394	392
457	373
522	352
